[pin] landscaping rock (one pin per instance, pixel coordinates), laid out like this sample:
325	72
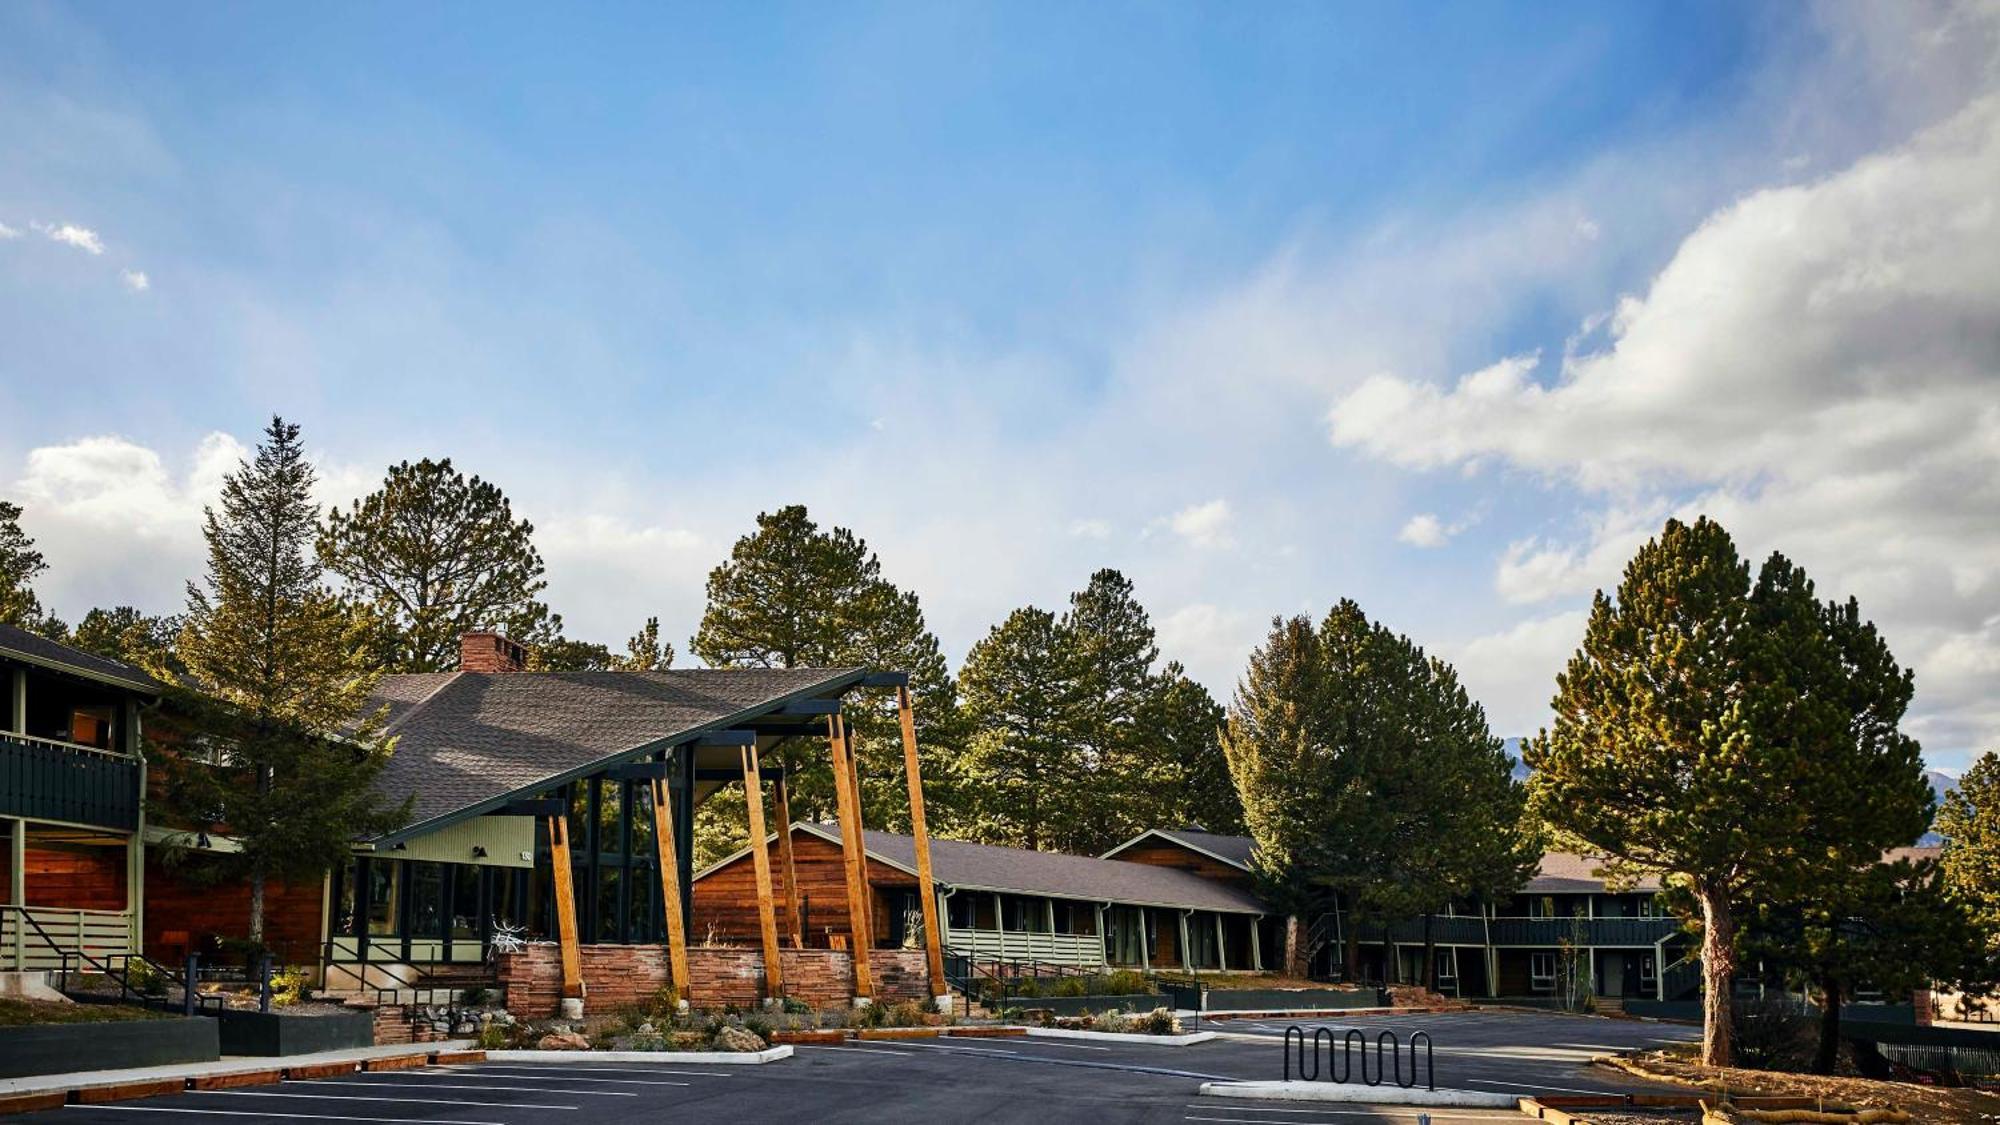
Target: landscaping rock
565	1041
737	1039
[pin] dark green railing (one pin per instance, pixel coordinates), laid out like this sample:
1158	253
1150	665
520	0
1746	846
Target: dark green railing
1591	931
46	780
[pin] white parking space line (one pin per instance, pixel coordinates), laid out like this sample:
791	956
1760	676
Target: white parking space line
557	1076
507	1089
490	1068
1530	1086
856	1050
1385	1111
377	1098
960	1050
290	1116
1064	1045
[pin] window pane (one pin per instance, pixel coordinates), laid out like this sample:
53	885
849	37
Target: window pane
464	901
607	902
426	900
343	898
382	896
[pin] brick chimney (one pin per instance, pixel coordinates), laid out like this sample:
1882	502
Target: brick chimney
490	652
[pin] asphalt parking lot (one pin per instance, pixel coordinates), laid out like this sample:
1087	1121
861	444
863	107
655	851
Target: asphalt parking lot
1012	1080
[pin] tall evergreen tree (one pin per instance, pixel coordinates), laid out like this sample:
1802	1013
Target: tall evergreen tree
1887	926
1368	777
274	687
1969	820
436	554
793	596
645	651
1175	774
20	564
1020	689
1729	736
124	633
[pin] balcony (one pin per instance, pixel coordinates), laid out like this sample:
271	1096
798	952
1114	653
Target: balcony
1015	945
1633	932
43	779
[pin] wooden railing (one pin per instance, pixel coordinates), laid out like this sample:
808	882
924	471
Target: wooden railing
43	779
1011	945
36	937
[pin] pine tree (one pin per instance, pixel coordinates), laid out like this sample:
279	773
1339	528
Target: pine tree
1730	736
1887	926
1175	774
1368	777
437	555
1969	820
124	633
20	564
793	596
645	651
274	687
1020	690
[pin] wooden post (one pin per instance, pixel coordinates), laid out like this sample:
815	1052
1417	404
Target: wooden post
854	856
760	862
668	851
787	867
933	942
572	956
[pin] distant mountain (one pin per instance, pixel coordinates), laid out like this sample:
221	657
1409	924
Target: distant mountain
1941	784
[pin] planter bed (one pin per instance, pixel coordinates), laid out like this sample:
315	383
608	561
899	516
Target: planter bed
822	1036
57	1048
1188	1039
898	1033
664	1058
1008	1032
282	1033
1077	1005
1293	999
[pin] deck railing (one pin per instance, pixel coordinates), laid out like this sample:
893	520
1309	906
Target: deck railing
43	779
1014	945
37	937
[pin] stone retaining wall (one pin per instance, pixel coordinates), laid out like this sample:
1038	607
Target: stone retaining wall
617	976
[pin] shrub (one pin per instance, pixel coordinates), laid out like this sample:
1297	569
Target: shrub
1027	988
1159	1021
477	996
493	1036
1111	1020
288	987
1124	982
1071	986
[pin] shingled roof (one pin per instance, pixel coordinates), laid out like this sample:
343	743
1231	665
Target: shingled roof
1567	872
987	867
1232	850
37	649
470	741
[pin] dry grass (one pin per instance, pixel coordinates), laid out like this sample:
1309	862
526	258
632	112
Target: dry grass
1929	1104
20	1013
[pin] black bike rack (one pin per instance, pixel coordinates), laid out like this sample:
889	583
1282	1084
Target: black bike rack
1339	1066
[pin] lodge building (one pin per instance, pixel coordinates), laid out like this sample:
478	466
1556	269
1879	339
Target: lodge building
558	808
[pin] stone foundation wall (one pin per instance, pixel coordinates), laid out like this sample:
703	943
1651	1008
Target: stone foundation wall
616	976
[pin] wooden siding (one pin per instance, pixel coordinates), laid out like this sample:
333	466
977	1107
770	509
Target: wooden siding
77	876
1166	853
183	909
725	899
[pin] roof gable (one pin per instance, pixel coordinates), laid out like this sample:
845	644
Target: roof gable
37	649
468	741
1232	850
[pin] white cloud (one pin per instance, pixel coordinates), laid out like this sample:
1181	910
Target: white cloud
1818	367
1513	672
1427	531
69	234
1212	642
1090	529
7	232
135	280
1204	525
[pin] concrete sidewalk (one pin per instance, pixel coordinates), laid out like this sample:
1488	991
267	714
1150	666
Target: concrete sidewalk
17	1094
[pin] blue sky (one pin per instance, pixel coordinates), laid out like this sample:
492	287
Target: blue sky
1265	306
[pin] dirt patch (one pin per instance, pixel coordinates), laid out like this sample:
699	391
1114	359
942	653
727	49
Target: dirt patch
1928	1104
20	1013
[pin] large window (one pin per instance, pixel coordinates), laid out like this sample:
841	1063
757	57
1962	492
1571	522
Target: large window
1025	914
958	911
465	919
382	896
426	900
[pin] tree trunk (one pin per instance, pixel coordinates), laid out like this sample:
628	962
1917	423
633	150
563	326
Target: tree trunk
257	906
1829	1027
1718	975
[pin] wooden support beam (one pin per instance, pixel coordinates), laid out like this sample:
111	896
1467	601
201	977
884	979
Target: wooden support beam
913	772
565	889
788	870
727	738
760	861
668	852
854	857
811	707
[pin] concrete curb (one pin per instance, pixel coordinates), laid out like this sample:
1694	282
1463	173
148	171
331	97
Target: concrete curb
1356	1094
1187	1040
661	1058
182	1074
